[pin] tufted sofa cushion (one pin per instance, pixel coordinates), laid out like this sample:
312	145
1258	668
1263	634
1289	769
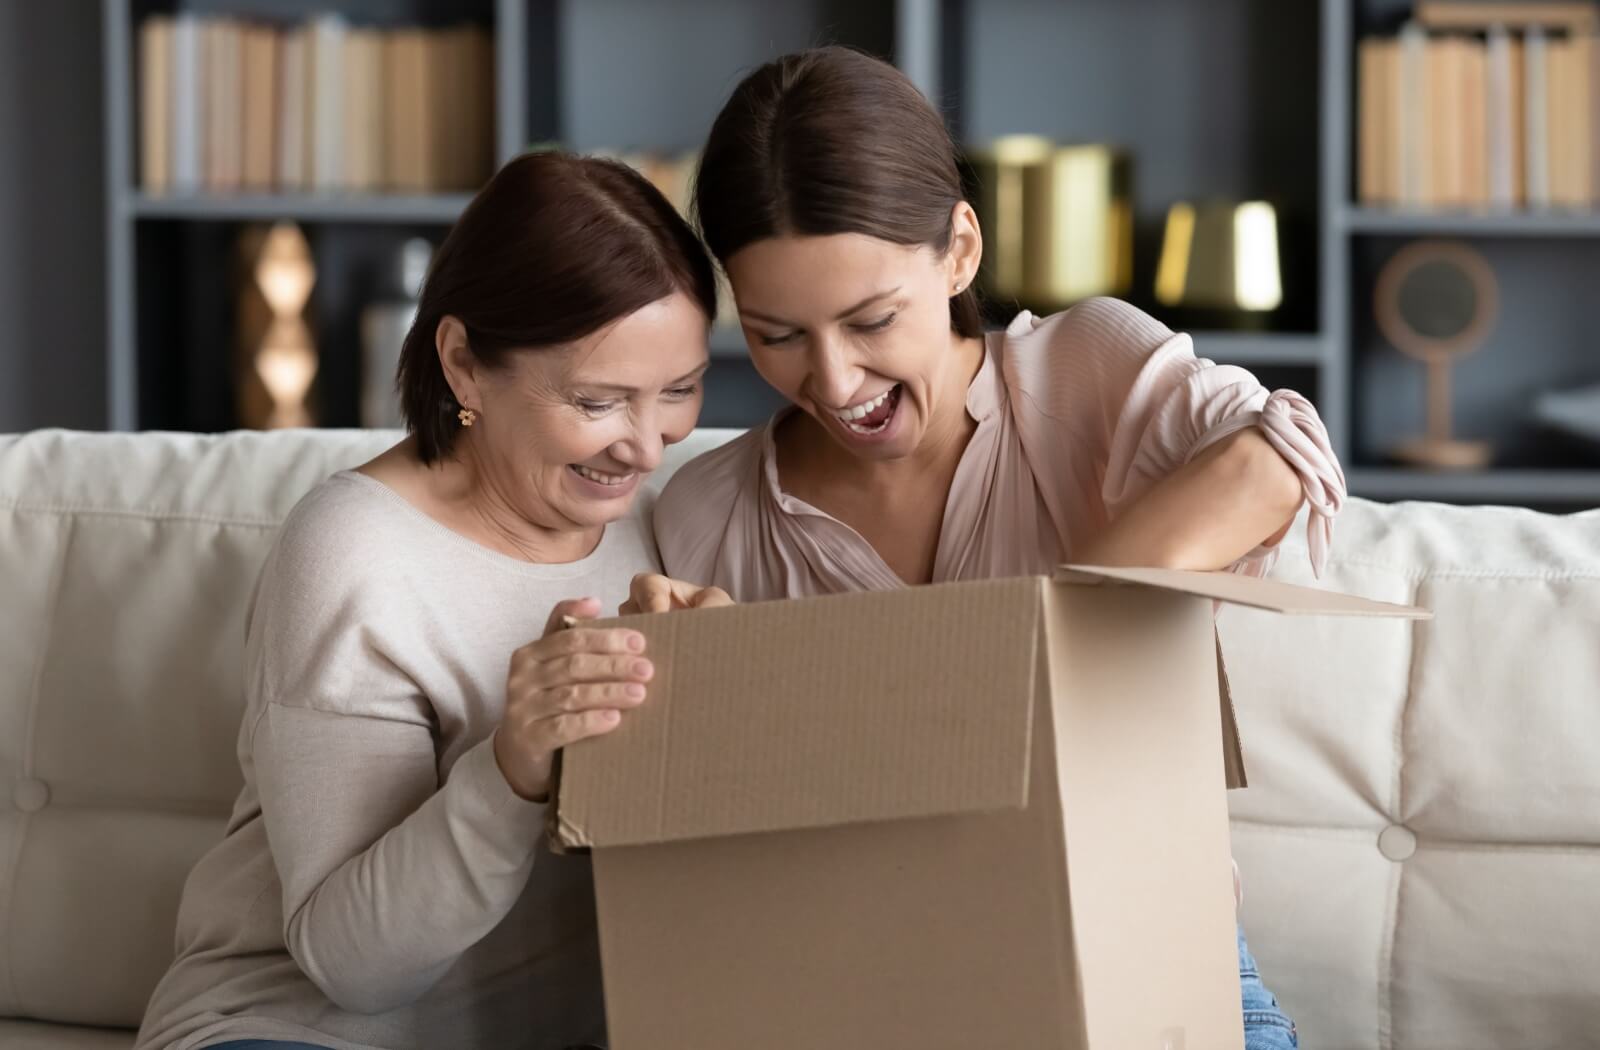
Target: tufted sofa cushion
1421	840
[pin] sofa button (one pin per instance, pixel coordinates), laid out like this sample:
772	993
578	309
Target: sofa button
31	795
1397	842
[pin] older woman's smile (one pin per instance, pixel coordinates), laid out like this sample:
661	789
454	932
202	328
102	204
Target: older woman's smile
599	484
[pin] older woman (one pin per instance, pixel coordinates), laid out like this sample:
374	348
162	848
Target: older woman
383	882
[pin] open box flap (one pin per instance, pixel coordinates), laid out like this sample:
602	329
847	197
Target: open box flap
792	714
1231	587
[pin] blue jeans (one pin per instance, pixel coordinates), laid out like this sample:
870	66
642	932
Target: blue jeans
1265	1025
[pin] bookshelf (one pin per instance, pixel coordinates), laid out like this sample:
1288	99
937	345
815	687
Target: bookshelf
1238	99
1543	260
585	74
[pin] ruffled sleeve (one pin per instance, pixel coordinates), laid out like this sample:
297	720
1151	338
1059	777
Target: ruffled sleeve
1140	395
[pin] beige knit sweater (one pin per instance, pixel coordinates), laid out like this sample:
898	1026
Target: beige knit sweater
380	886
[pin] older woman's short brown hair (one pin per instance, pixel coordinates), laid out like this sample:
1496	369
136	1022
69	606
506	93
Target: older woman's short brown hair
553	248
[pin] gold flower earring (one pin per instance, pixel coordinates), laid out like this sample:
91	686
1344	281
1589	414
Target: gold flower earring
467	417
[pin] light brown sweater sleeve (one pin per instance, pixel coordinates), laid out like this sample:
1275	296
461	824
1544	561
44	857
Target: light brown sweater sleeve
388	874
386	881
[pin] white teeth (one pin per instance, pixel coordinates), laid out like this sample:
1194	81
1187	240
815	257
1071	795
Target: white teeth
603	479
863	410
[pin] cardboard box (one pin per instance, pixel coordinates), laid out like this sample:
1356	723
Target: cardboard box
971	816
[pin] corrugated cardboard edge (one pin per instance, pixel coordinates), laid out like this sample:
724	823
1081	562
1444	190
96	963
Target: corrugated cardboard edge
561	835
1232	752
1286	599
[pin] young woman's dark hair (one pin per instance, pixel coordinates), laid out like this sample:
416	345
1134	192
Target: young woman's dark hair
831	141
554	247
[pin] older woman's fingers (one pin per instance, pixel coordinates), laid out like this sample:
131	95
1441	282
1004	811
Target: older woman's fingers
567	699
563	730
529	664
571	609
577	668
589	640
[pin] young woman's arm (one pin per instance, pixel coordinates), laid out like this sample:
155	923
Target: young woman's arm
1231	499
1195	465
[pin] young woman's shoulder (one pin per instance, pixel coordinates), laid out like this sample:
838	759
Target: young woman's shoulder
1088	358
1102	333
697	508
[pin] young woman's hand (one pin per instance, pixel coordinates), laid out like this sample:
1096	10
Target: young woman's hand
572	684
652	592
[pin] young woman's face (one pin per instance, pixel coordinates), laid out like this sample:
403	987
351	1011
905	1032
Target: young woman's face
567	435
856	332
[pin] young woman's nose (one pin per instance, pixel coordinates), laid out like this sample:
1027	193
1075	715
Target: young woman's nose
834	378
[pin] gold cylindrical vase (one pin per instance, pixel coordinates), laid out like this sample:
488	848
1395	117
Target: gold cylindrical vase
1057	220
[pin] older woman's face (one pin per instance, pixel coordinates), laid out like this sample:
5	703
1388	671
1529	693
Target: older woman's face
567	435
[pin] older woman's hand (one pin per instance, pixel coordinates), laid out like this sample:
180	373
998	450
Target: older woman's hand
652	592
569	685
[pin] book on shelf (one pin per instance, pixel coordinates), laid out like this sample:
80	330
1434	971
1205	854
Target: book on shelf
363	113
405	116
221	105
258	124
1504	119
185	104
155	87
230	104
292	110
1377	66
1504	126
1536	162
327	103
1411	118
1581	16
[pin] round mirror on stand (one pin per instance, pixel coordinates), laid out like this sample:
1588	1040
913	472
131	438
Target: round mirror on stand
1436	301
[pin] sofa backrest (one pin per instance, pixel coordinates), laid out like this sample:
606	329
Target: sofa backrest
126	567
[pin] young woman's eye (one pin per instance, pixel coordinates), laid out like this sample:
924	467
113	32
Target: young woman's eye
683	393
878	325
778	340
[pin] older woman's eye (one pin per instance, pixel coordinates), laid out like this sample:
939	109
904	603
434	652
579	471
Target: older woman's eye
778	340
878	325
594	408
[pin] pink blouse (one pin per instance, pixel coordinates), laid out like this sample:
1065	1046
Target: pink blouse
1077	414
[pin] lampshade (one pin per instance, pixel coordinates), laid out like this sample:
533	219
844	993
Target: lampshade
1221	255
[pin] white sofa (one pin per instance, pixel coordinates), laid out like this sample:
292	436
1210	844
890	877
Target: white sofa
1420	846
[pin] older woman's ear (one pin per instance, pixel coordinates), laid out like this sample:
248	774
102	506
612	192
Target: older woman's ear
461	368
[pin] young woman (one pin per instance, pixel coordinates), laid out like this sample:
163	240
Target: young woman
918	448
